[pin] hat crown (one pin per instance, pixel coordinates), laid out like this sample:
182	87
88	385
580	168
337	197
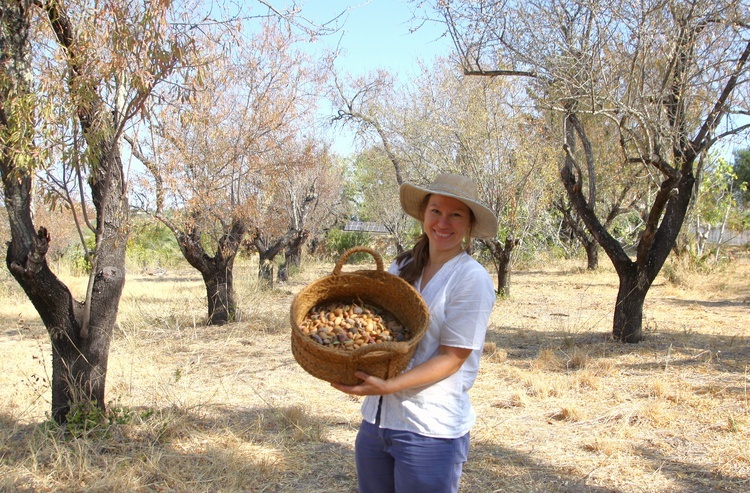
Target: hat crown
457	185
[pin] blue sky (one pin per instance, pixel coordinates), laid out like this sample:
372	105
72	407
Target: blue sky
375	34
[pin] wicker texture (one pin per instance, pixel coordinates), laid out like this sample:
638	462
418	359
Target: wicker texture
375	287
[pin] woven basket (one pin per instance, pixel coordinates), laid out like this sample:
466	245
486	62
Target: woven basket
376	287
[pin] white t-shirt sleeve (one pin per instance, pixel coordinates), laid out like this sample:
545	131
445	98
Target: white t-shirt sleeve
467	308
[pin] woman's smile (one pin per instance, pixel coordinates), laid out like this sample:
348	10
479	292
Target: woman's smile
446	222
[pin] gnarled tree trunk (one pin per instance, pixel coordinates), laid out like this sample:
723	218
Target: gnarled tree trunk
267	251
216	270
628	317
293	255
501	257
636	277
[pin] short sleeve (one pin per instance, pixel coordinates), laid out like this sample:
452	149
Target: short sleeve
468	307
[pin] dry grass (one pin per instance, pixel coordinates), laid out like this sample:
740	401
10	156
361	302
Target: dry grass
561	407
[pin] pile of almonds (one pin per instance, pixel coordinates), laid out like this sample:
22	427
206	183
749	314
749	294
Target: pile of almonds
349	326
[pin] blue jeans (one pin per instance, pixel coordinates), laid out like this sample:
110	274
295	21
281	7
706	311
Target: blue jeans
392	461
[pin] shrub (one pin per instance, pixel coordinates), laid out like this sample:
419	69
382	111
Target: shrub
151	244
338	241
76	256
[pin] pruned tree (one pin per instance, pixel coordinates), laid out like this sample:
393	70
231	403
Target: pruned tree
670	75
311	200
98	69
213	156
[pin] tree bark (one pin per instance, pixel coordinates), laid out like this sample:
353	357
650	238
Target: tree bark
267	253
592	254
293	255
265	268
628	317
216	270
219	281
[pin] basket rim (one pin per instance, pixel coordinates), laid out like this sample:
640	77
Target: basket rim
417	335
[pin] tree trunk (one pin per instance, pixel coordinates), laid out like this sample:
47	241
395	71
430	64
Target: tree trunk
628	318
592	254
79	357
292	255
222	307
501	257
217	277
503	276
267	252
80	333
217	271
265	269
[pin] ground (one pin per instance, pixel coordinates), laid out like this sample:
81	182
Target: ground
561	407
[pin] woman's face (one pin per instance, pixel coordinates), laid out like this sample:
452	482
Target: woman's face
446	222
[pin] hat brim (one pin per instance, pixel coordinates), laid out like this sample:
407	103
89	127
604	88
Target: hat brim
485	221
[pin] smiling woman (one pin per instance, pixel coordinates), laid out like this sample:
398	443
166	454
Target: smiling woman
415	430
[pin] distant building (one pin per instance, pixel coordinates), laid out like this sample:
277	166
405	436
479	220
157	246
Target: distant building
365	227
726	237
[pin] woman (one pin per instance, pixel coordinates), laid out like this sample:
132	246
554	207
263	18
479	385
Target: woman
414	436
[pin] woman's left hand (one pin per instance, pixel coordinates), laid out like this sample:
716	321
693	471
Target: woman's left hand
370	385
445	363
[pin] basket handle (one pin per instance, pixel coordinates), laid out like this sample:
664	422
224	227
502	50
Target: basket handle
346	254
393	347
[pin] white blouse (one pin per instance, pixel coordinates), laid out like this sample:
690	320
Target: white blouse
460	298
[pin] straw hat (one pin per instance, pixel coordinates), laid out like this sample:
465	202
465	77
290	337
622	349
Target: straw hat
456	186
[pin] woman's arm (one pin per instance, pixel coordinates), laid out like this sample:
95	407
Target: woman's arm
447	362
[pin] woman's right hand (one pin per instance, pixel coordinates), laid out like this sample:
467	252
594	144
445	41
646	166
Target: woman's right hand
370	385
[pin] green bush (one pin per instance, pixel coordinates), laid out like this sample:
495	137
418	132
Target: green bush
76	256
151	244
338	241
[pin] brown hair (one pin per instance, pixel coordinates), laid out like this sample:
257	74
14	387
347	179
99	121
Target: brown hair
420	252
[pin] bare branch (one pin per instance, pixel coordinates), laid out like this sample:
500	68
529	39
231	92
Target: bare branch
500	73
